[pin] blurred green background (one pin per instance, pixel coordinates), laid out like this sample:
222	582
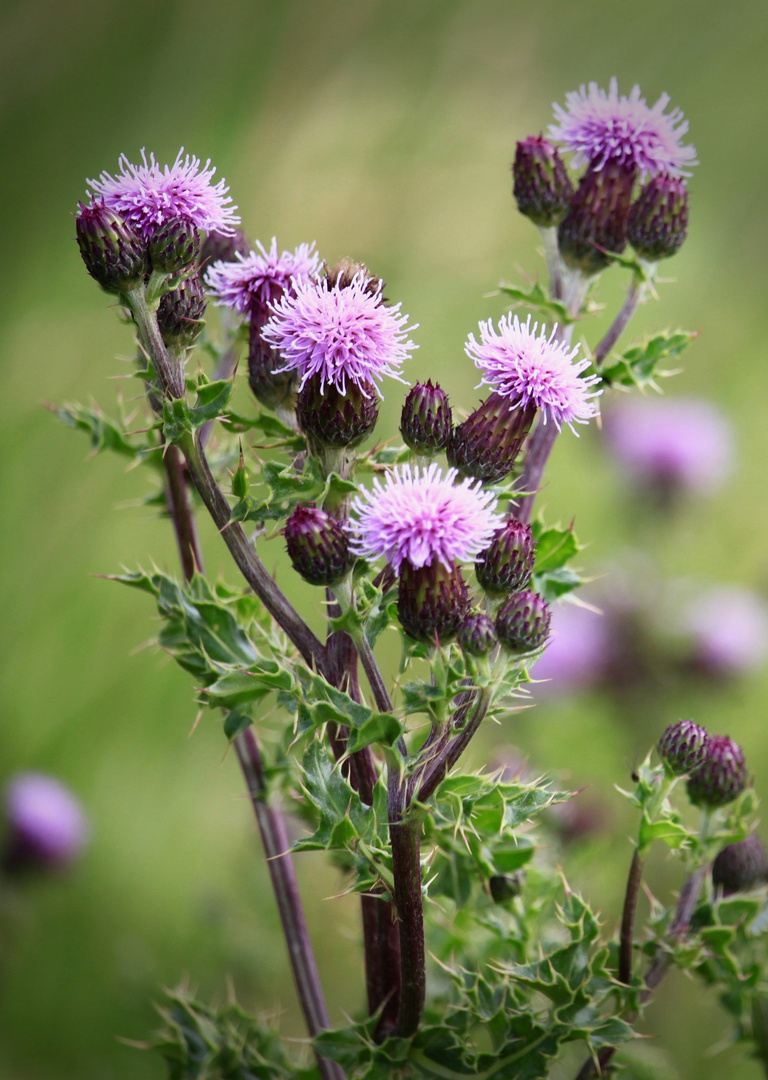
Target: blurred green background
384	131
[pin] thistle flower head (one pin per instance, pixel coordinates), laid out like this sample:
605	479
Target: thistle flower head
533	369
684	747
722	775
599	127
343	334
261	276
147	195
45	824
740	866
422	516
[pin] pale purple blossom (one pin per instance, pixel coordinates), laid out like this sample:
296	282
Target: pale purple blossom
579	646
340	334
671	443
45	824
728	630
147	195
422	516
532	369
599	127
261	276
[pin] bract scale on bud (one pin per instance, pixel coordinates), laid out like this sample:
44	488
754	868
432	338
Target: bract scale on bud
432	601
721	777
522	622
683	747
113	254
542	187
506	565
477	634
317	545
180	314
658	220
174	246
426	422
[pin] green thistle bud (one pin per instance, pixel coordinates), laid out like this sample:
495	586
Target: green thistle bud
318	545
180	314
477	634
683	747
522	622
506	565
113	254
431	601
658	221
334	418
596	221
174	246
487	444
739	867
721	777
543	189
426	422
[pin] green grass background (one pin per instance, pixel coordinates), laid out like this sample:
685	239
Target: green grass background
384	131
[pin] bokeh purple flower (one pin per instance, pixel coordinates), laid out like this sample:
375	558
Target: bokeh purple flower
422	516
727	629
147	195
580	645
601	128
45	825
340	334
261	276
530	369
670	444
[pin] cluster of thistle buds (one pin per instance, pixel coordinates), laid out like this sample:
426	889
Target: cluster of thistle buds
622	144
713	764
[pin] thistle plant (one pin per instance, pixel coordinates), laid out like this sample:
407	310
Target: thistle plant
480	960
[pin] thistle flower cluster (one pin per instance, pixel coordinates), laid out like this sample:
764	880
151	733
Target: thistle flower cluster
714	764
619	141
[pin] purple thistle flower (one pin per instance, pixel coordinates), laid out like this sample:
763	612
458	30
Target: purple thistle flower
340	334
46	826
728	628
534	370
147	195
671	445
260	277
599	127
422	516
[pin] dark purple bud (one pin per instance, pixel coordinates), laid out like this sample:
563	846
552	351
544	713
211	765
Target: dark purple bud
346	270
180	314
426	422
505	887
432	601
506	565
597	218
741	866
269	385
522	622
222	247
542	186
658	221
46	828
174	246
318	545
113	254
333	418
487	444
721	777
683	747
477	634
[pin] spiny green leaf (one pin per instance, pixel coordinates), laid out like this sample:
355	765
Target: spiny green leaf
536	298
639	366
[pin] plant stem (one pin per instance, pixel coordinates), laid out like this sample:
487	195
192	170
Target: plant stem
447	758
626	939
554	262
405	840
635	296
281	871
177	499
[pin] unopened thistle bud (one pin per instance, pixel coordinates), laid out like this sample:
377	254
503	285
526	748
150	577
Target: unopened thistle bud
542	188
335	418
596	221
721	777
270	383
506	565
741	866
432	601
426	422
318	545
658	221
683	747
487	444
477	634
174	246
505	887
113	254
522	622
222	247
180	314
344	273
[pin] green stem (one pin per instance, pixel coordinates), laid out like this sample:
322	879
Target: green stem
635	296
626	939
405	841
